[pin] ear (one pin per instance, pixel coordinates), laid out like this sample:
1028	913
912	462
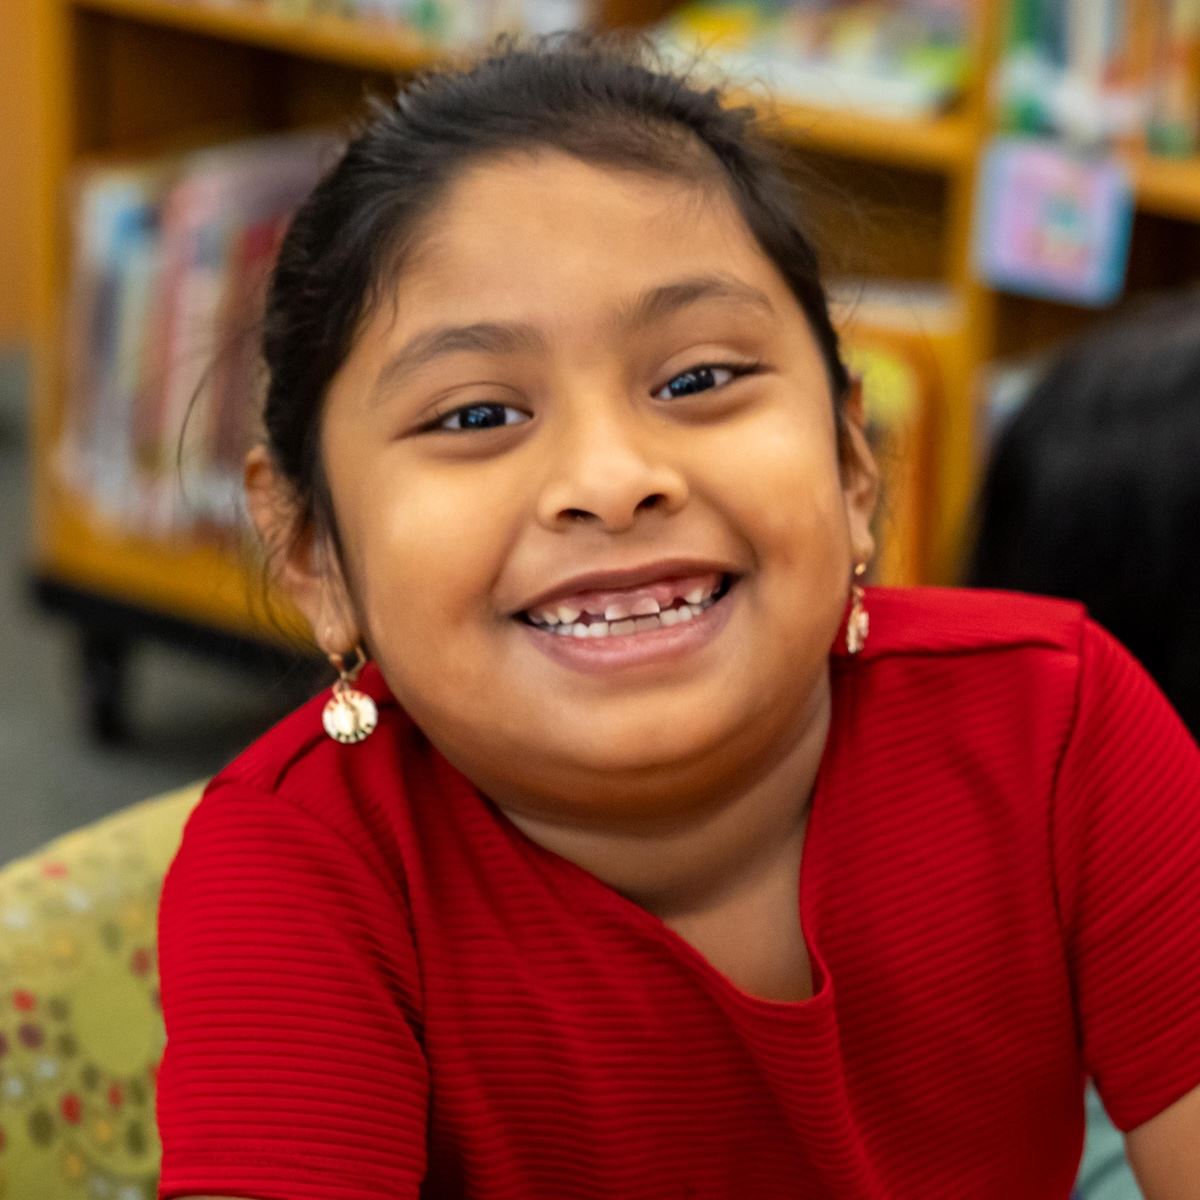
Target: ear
860	475
301	562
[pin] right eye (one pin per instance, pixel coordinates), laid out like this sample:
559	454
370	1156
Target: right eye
479	416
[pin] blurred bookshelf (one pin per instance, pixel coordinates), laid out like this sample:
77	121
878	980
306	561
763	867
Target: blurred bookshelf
16	201
1168	187
327	37
141	85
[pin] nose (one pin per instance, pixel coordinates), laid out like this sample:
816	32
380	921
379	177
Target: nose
606	472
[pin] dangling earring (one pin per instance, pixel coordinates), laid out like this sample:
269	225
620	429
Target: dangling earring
858	625
350	715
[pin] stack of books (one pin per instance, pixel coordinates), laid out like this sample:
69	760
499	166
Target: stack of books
164	384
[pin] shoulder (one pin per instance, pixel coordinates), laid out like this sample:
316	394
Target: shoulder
954	622
990	677
296	775
1021	679
286	757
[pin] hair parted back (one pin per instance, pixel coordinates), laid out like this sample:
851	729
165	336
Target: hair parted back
601	98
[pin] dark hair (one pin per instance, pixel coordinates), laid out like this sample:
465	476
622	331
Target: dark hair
1093	490
598	98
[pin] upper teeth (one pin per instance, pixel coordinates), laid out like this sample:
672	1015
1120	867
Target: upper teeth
626	625
619	610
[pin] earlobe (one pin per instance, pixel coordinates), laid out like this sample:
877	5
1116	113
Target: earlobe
298	562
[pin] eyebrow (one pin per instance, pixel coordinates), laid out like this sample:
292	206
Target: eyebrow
509	337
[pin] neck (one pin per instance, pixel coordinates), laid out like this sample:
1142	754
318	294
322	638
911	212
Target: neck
708	851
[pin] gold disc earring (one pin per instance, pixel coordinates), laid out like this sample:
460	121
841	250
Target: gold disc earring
858	625
350	715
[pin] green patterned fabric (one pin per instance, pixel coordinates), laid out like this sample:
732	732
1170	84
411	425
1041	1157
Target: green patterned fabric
80	1028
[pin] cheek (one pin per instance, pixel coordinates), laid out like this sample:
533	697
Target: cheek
788	492
427	548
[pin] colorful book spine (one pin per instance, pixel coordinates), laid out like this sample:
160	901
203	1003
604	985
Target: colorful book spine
1135	68
170	269
1175	106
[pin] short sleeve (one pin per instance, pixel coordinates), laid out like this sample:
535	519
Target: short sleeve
1126	828
293	1068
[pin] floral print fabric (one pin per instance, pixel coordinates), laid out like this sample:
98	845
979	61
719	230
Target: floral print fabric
81	1032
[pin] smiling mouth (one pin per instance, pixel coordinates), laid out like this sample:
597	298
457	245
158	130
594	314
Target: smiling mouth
622	619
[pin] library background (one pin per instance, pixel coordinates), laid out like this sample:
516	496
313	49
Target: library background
987	180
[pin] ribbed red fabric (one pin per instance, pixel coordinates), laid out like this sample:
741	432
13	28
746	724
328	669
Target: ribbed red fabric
376	986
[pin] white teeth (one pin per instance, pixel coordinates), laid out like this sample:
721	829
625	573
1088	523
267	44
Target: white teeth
620	611
628	624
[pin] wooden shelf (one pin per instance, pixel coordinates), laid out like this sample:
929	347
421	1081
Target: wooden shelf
203	582
940	143
328	38
1169	187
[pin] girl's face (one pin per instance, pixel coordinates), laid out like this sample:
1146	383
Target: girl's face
592	398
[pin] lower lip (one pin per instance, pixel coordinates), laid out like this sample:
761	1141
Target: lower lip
598	655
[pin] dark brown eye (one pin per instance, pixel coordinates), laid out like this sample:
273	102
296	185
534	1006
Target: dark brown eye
481	416
703	378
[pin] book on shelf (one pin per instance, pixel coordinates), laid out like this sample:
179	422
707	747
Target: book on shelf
1123	72
441	22
904	343
905	59
169	266
1173	127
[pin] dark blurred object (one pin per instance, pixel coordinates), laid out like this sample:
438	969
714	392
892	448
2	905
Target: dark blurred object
1093	490
110	633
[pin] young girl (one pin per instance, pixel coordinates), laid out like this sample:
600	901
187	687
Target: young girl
648	856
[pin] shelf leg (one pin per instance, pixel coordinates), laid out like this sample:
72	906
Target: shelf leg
105	669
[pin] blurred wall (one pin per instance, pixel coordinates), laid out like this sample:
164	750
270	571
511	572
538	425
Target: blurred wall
16	168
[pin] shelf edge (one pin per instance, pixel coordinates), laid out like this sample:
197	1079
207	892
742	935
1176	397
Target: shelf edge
327	38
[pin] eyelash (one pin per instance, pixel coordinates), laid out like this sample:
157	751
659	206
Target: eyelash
737	369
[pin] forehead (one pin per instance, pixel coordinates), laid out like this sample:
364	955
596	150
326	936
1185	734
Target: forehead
548	226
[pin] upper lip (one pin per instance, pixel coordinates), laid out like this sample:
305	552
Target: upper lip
626	577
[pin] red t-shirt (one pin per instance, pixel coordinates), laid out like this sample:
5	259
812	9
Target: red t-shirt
376	986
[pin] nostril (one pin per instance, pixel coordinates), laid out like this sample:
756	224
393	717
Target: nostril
655	500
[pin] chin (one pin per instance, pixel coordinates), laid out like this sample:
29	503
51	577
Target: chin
637	749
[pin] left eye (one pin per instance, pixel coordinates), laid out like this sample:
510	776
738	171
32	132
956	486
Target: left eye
702	379
481	416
